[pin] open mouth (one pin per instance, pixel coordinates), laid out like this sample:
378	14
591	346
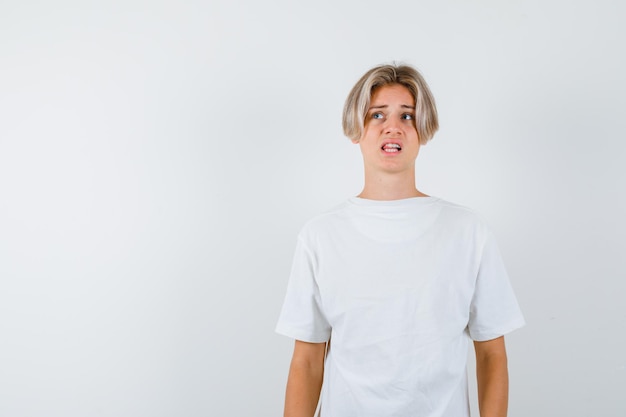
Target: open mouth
391	147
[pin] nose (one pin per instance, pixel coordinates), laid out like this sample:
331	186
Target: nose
392	126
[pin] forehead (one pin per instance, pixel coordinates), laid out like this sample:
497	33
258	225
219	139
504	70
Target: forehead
392	93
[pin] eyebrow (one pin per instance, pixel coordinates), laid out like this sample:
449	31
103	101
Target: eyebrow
404	106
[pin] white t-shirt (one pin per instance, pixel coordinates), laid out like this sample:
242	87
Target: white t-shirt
400	287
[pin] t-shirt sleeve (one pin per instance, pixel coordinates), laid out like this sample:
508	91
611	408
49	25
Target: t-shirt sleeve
302	316
494	310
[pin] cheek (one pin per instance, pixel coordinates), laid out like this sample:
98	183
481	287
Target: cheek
366	135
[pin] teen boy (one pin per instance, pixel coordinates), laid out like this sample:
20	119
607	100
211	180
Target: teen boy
387	290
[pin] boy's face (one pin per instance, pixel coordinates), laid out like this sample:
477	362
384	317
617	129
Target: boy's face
389	142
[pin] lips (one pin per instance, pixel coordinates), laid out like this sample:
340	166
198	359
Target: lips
391	147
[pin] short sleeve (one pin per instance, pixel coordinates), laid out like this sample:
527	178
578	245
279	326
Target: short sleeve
494	310
302	316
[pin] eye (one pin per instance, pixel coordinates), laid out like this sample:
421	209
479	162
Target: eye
407	116
377	115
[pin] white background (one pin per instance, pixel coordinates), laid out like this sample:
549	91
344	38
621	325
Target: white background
158	158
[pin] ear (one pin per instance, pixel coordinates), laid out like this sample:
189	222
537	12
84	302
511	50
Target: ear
355	141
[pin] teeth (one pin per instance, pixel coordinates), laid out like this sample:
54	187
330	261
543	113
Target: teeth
391	147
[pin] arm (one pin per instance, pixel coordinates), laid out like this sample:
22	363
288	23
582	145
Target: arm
493	377
305	379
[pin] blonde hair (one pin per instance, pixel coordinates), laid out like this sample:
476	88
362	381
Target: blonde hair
358	101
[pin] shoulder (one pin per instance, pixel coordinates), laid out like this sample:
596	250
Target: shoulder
460	213
463	218
325	221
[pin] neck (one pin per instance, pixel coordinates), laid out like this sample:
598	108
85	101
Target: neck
390	186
